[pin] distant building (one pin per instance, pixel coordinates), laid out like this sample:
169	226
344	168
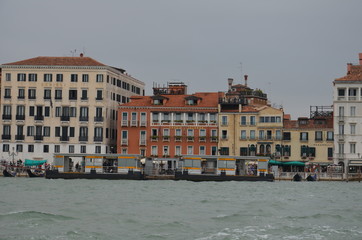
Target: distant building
347	97
170	123
62	105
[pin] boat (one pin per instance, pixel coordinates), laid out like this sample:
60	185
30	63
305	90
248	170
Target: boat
6	173
297	178
311	178
223	168
95	166
34	174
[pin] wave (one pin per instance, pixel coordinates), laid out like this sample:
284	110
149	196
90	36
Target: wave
24	215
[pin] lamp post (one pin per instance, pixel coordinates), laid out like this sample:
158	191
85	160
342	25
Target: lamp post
13	154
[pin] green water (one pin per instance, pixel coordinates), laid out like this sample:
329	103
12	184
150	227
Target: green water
102	209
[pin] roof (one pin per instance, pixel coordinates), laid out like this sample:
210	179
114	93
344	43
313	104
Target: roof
310	123
57	61
354	74
209	100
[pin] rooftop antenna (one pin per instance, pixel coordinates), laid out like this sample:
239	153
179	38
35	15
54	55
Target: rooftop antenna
241	71
73	52
84	50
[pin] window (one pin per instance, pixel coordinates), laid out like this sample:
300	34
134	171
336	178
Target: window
155	117
190	150
224	151
83	149
166	151
33	77
30	148
59	77
8	77
71	131
330	153
224	120
341	129
178	132
341	111
21	77
99	95
30	131
83	132
72	94
352	147
341	92
98	149
213	150
71	148
47	94
48	77
252	120
353	129
202	150
6	132
178	151
21	93
20	112
7	93
178	117
32	93
213	117
202	133
58	94
353	111
7	112
85	78
201	117
190	132
261	135
224	134
46	131
243	120
166	132
318	135
73	112
6	148
190	117
154	151
330	136
304	136
278	135
352	92
252	134
243	135
341	148
46	148
74	77
99	78
84	94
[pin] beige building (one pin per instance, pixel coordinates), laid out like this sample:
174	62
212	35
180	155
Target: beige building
61	104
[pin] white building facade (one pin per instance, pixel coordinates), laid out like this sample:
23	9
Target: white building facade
347	104
61	105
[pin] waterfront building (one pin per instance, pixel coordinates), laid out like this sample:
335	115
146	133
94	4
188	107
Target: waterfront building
170	123
61	105
308	139
347	102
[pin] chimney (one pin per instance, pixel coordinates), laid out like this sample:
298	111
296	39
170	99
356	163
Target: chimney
360	59
81	55
246	80
230	82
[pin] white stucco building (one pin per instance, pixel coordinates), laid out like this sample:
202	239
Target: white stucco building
347	101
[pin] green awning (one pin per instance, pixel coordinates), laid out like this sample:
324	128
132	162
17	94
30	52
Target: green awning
273	162
29	162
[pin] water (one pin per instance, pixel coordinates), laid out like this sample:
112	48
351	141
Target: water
102	209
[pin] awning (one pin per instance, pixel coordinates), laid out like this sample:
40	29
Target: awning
273	162
29	162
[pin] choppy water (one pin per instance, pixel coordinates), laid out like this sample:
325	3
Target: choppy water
101	209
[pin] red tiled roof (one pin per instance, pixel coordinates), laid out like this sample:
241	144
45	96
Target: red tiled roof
58	61
311	124
208	99
354	74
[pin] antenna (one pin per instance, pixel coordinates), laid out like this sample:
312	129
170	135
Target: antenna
241	71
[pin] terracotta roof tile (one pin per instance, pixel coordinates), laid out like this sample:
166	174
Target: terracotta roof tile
58	61
354	74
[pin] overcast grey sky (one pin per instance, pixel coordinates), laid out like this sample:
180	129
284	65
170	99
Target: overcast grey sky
292	50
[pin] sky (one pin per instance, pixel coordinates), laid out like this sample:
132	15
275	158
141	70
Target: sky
290	49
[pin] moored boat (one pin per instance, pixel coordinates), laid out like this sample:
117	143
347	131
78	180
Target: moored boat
297	178
6	173
34	174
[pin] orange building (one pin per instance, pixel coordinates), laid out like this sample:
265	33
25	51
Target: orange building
170	123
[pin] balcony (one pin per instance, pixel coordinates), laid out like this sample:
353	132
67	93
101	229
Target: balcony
190	138
39	118
64	138
84	98
178	138
143	142
133	123
98	139
6	117
83	119
83	138
143	123
213	139
6	137
19	137
65	118
38	137
32	97
166	138
154	138
223	124
99	98
224	138
202	139
7	97
124	141
21	97
98	119
124	123
20	117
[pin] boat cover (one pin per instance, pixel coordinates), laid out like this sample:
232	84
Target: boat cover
29	162
273	162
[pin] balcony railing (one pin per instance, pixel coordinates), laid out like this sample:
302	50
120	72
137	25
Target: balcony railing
64	138
38	137
6	117
38	117
83	119
6	137
98	119
20	117
124	141
143	142
19	137
143	123
65	118
133	123
124	123
98	139
83	138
